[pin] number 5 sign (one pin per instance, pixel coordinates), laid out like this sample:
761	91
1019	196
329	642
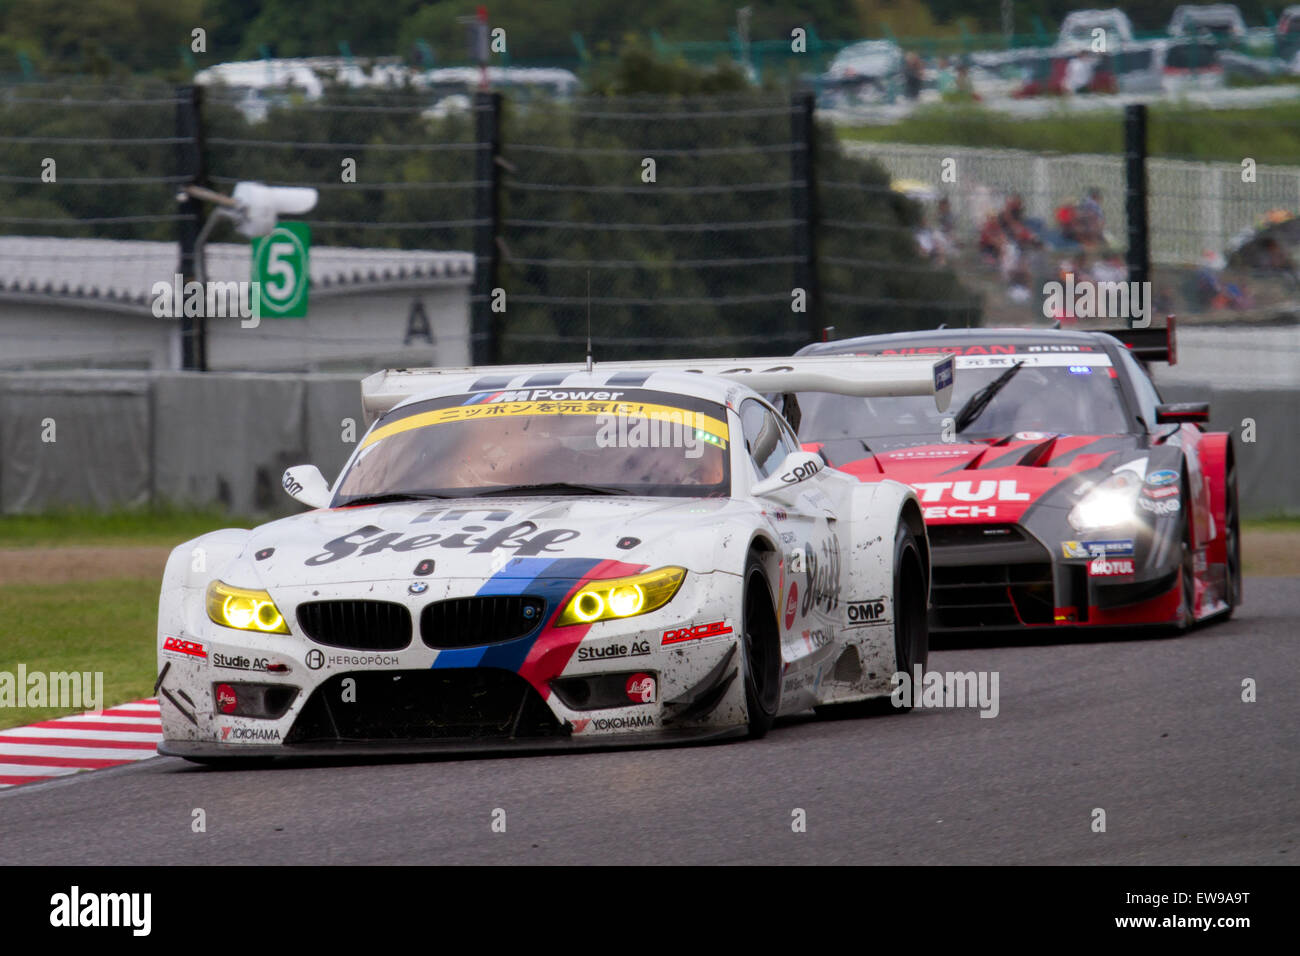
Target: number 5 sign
280	266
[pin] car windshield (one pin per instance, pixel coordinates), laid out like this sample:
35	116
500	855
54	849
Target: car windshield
636	441
1066	393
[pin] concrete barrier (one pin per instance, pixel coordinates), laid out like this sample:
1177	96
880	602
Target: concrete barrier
1267	455
108	440
124	439
75	442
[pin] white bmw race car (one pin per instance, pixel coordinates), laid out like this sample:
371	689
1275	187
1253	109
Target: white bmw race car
554	556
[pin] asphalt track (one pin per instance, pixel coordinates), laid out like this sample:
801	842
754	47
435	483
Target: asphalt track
1152	730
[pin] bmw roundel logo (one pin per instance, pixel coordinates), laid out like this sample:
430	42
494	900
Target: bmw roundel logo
315	659
530	612
418	587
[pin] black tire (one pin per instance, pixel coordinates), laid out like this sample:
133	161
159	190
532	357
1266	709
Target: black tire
911	627
911	616
760	650
1233	539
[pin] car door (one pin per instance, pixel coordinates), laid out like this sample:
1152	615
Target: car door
810	546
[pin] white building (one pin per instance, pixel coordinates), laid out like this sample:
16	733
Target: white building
88	303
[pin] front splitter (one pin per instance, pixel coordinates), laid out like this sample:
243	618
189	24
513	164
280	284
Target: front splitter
204	750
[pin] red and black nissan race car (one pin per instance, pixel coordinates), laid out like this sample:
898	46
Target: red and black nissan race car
1058	490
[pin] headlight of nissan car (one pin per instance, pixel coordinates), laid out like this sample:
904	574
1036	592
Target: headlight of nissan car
244	609
1108	505
622	597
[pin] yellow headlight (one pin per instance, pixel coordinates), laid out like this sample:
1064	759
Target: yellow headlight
622	597
244	609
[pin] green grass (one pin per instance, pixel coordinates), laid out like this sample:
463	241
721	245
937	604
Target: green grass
1268	134
140	528
104	626
1282	523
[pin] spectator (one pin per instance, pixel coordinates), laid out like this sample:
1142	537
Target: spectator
1090	227
965	90
912	75
936	242
1275	255
1067	222
1005	241
992	238
947	223
1012	221
1006	227
1211	292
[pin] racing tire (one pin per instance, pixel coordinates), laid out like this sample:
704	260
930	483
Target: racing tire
911	616
911	628
760	650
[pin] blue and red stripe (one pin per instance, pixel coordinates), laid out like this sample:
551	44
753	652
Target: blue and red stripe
543	653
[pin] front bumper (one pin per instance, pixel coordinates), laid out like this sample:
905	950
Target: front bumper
1006	578
512	695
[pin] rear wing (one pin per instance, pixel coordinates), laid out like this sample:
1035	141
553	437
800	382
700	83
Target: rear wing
864	376
1150	345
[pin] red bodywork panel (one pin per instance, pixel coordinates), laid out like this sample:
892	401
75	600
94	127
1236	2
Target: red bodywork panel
987	482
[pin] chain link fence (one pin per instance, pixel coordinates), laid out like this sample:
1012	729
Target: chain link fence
683	219
1222	232
80	160
676	226
661	226
1194	207
389	175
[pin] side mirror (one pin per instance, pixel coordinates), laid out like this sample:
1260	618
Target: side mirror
1175	413
305	483
798	467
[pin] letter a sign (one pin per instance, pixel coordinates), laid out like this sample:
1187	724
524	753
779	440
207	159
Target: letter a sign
280	265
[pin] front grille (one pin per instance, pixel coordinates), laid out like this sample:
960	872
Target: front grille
955	535
475	621
992	595
356	625
962	544
456	703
